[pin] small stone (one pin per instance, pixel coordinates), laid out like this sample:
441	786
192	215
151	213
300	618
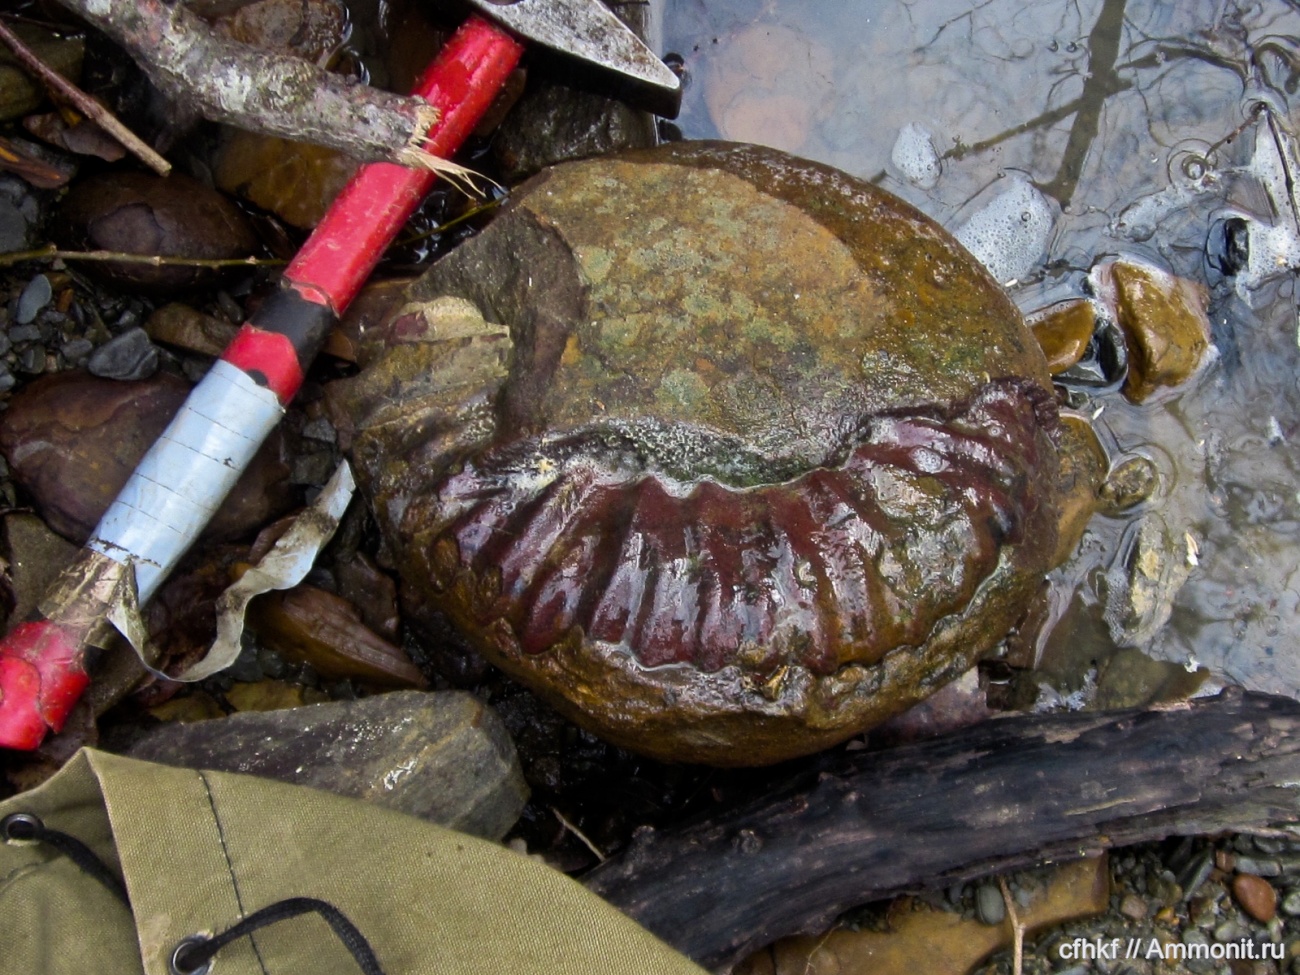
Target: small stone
1259	867
20	92
320	429
294	180
1064	331
19	334
989	905
129	356
444	757
1133	907
1164	320
1229	931
78	351
35	296
1257	896
138	213
183	327
1291	902
319	628
1129	483
1082	474
35	555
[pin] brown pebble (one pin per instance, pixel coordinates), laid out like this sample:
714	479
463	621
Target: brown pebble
1257	896
1133	907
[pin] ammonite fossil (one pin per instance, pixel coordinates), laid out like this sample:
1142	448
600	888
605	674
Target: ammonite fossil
726	454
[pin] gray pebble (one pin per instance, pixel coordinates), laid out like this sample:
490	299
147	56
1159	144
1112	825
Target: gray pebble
7	382
1291	902
35	296
1270	845
32	360
1196	872
989	904
1229	931
130	355
319	429
78	350
1260	868
19	334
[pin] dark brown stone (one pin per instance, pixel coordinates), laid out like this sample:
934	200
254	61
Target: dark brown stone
137	213
72	440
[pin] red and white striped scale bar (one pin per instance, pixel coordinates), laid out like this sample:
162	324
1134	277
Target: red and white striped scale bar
188	472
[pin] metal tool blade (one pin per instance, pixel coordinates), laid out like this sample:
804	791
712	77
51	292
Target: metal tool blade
586	29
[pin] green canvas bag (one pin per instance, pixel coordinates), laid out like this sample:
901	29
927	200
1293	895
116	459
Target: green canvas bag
199	852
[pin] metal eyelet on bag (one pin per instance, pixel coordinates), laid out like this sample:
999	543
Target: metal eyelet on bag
176	963
21	829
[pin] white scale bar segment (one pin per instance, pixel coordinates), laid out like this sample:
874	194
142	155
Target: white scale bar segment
186	475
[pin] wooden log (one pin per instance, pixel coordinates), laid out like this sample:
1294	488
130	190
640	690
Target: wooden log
1003	795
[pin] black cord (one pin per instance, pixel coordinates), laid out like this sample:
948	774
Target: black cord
193	955
29	828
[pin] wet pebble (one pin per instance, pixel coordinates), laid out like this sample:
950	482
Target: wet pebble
1291	902
129	356
20	214
20	334
1133	907
1164	321
1196	872
35	296
1257	896
77	351
183	327
1064	331
989	905
1129	483
1259	867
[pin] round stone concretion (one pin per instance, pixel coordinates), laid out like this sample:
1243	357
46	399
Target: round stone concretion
726	454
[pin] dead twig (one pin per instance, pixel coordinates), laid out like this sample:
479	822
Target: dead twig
53	253
580	835
1017	929
88	107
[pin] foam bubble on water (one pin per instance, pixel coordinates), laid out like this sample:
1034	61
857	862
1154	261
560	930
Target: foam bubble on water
915	157
1009	234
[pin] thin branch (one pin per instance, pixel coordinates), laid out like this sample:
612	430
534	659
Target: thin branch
84	103
53	253
1017	929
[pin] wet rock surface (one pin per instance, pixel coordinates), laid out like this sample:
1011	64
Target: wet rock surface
443	757
659	390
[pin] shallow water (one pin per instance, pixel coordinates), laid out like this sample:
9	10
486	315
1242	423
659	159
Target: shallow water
1049	136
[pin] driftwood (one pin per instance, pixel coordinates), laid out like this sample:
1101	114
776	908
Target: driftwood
1006	794
225	81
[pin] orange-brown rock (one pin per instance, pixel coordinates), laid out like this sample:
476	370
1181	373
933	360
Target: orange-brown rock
1063	331
1164	321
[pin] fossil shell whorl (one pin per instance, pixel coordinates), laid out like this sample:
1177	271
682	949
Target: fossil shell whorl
767	459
